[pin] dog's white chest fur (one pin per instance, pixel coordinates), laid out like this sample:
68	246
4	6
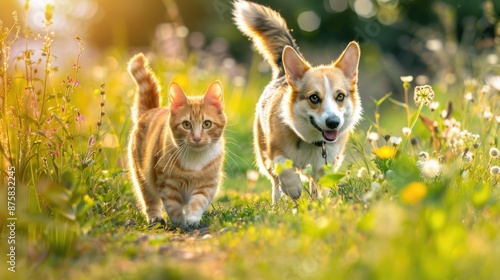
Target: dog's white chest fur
305	154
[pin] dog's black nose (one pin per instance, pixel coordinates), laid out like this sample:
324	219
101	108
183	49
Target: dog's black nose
333	122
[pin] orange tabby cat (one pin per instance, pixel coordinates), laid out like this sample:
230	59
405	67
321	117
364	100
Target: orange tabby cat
175	152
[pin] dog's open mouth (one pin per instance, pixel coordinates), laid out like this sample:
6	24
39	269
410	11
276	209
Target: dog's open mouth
328	135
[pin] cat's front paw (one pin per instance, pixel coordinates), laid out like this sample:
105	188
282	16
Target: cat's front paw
291	184
157	221
193	221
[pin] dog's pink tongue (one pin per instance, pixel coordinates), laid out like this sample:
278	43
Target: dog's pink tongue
331	135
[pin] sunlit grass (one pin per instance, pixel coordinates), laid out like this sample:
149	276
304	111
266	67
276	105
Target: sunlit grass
417	197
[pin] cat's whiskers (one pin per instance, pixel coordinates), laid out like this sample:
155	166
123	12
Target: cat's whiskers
164	152
174	158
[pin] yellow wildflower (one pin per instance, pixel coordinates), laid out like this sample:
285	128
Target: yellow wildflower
385	152
413	193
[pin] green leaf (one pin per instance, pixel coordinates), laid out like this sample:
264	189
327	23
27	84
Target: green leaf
397	102
331	180
381	100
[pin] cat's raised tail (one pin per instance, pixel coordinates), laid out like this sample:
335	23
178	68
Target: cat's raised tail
148	88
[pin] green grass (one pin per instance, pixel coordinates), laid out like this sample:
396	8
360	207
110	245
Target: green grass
388	214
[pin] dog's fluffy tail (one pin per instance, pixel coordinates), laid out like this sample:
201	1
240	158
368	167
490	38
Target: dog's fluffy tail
148	88
267	29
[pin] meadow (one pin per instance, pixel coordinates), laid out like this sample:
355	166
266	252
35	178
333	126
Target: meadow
416	198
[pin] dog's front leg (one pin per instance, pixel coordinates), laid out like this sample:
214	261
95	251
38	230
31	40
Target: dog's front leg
288	179
314	187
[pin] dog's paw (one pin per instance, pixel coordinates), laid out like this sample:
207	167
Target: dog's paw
291	184
314	190
157	222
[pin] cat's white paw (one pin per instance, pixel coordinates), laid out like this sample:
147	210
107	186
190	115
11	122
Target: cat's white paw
291	184
193	221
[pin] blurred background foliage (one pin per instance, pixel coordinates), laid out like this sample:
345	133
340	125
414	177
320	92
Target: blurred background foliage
423	38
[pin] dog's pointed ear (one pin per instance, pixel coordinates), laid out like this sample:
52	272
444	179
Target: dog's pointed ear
215	96
176	97
349	60
295	66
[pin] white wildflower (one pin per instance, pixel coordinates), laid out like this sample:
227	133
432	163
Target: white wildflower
406	79
434	105
362	172
469	97
488	115
468	157
375	186
395	140
373	136
494	81
423	95
406	131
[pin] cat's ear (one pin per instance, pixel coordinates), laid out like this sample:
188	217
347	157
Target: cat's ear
215	96
176	97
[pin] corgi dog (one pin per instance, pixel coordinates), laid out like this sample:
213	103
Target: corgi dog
306	113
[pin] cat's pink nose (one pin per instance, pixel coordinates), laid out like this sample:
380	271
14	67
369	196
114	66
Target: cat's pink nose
196	139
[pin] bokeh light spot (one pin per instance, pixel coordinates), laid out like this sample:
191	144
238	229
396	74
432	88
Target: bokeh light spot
308	21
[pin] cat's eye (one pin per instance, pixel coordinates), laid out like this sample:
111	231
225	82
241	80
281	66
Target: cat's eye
340	97
207	124
186	125
314	98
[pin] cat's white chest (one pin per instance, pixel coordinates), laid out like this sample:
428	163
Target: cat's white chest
197	160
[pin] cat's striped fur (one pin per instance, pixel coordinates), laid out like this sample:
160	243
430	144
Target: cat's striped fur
175	152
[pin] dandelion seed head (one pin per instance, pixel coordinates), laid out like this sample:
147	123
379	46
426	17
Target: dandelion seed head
431	168
494	170
423	95
494	153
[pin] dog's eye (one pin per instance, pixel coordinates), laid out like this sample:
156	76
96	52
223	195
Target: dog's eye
207	124
314	99
186	125
340	97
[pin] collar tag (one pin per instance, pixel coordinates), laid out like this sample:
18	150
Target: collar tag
324	152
